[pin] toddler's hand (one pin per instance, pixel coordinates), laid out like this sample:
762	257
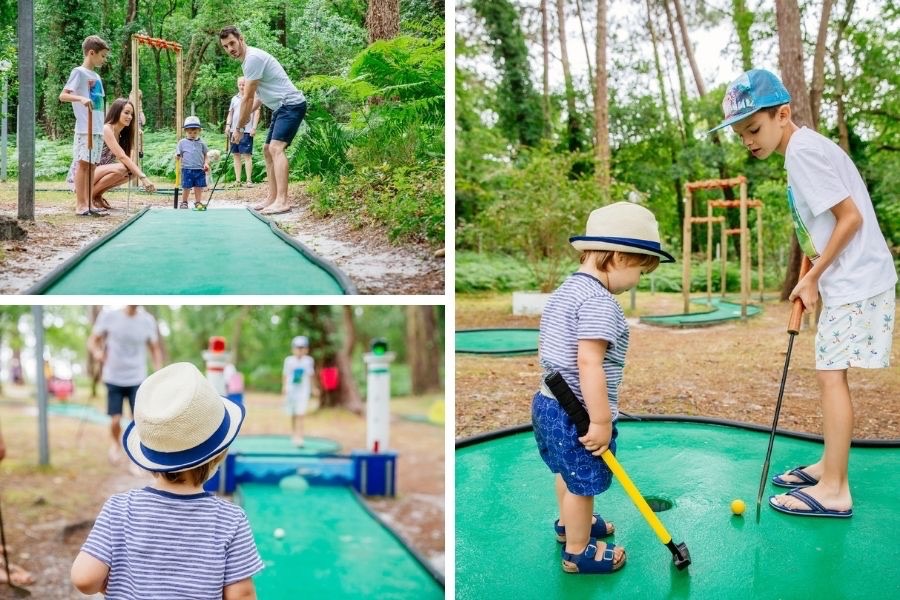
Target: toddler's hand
206	167
597	438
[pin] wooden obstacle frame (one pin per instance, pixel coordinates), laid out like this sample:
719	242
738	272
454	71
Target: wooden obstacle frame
743	203
138	40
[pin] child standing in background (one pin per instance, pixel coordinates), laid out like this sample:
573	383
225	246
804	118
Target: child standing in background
299	370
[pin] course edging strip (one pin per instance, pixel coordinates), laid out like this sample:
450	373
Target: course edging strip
855	443
44	283
328	266
497	352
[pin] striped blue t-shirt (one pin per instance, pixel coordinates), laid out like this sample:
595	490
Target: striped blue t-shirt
582	309
169	546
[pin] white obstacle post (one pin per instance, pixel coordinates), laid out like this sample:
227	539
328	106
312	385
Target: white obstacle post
378	396
217	358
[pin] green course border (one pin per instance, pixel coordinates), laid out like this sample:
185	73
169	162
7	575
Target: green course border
497	352
854	443
43	284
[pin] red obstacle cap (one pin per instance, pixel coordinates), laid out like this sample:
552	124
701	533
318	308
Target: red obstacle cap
217	344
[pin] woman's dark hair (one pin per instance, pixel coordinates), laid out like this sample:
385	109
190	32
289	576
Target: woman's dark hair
126	136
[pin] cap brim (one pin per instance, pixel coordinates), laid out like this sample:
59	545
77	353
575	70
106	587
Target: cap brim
131	442
583	243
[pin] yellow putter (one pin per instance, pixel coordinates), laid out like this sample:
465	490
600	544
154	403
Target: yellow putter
579	415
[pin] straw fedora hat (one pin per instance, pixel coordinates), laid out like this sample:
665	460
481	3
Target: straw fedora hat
622	227
180	421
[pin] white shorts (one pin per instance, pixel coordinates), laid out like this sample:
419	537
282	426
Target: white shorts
80	149
296	404
857	334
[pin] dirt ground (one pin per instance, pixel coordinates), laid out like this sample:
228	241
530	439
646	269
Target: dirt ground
729	371
364	253
48	512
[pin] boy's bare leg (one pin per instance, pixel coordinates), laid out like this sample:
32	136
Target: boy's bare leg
270	178
577	512
833	489
81	186
237	168
248	166
198	194
561	490
115	450
280	169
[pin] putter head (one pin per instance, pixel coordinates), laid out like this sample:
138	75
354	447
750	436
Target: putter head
680	555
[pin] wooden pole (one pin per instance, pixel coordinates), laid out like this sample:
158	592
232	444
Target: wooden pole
135	92
759	251
745	252
709	255
723	269
179	113
686	250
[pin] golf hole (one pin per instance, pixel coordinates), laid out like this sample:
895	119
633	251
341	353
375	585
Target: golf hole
658	504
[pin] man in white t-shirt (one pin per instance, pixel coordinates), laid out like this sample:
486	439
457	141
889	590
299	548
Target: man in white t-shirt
264	75
298	372
119	341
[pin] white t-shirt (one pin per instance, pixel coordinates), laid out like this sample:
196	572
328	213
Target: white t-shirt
298	373
126	345
275	87
820	175
84	82
235	110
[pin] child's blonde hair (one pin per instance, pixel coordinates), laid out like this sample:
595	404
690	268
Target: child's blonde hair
603	259
197	475
95	43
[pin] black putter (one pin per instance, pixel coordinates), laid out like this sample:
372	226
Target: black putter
681	557
793	329
20	592
200	205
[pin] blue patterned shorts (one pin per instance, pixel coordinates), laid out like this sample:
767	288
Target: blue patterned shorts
557	441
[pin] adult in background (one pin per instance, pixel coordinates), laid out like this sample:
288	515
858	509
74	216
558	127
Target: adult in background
265	76
119	341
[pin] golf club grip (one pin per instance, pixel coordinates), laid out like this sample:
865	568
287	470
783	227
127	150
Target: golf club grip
636	497
798	308
566	398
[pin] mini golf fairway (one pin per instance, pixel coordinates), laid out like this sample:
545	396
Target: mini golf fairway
722	311
280	445
505	508
332	547
220	251
497	341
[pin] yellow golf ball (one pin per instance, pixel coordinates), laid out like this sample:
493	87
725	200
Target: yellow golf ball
737	507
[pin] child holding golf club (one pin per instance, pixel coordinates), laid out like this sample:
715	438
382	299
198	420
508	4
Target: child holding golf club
172	539
851	268
297	376
194	161
584	337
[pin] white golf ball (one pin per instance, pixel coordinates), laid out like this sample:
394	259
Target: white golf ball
278	533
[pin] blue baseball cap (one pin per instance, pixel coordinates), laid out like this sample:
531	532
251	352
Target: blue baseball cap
754	90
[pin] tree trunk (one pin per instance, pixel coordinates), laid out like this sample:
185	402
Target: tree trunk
817	87
125	61
843	130
383	19
423	354
601	106
790	60
573	128
236	329
689	48
545	45
94	367
587	55
743	21
682	95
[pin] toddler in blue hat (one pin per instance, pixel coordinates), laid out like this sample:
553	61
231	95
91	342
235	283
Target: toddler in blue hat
852	269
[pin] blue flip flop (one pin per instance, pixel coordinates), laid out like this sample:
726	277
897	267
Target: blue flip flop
805	479
598	529
815	507
586	564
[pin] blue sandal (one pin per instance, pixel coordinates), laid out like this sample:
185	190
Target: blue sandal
815	508
586	563
599	529
804	477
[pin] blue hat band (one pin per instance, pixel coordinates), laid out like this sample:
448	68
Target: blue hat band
630	242
184	458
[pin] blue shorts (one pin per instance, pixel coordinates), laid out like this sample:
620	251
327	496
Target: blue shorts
285	122
244	147
557	441
191	178
114	396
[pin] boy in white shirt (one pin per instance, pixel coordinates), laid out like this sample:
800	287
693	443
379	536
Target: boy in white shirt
84	88
242	151
852	269
299	369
